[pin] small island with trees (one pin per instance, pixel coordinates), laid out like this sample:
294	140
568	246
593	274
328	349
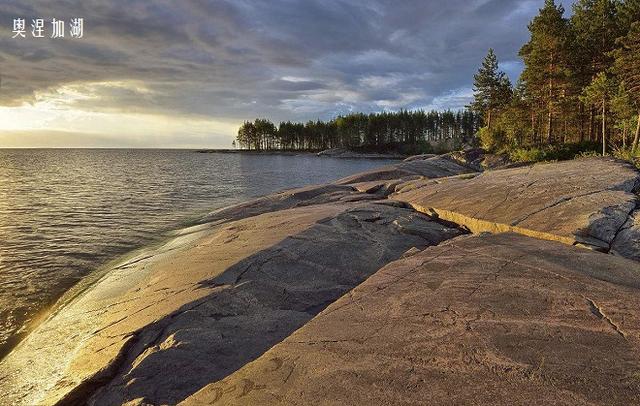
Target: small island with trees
579	94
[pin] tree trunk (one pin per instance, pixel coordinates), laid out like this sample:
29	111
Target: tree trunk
604	132
581	115
591	123
635	139
624	135
533	128
550	126
489	119
550	102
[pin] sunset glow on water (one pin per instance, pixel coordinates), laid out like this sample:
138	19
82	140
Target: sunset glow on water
64	213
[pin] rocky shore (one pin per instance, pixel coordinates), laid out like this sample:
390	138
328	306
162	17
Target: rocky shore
429	281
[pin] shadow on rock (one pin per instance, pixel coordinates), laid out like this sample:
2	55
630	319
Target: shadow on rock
262	299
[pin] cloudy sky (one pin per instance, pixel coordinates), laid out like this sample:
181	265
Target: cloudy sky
186	73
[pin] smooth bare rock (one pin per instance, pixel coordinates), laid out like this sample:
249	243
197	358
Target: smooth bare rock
584	201
419	157
161	326
305	196
479	160
383	173
359	198
436	167
493	319
82	346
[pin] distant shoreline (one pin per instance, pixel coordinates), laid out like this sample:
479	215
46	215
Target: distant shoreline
331	153
254	152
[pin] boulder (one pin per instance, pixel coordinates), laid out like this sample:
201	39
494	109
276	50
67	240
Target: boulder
492	319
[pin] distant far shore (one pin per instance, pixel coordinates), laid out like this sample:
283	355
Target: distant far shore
332	153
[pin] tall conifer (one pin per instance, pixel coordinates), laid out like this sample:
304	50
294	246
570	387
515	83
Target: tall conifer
546	59
491	88
627	67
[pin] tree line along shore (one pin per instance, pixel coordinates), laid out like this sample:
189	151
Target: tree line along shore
579	93
404	131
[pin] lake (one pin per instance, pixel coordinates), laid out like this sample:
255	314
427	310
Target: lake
64	213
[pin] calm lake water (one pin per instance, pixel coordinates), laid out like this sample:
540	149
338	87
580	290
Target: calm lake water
64	213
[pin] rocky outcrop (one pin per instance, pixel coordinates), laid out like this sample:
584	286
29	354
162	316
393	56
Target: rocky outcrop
582	202
208	303
479	160
436	167
305	196
470	157
493	319
264	303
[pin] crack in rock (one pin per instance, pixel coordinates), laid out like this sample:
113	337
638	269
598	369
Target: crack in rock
599	313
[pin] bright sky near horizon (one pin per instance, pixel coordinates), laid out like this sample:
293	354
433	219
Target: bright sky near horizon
186	74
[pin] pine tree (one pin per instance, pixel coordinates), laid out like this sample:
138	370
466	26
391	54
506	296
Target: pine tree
627	68
596	26
622	109
265	134
628	13
515	118
546	59
247	135
492	89
600	92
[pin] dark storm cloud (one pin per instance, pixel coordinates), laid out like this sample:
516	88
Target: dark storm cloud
285	59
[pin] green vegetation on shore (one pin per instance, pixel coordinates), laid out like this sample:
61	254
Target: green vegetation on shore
580	89
404	131
579	93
